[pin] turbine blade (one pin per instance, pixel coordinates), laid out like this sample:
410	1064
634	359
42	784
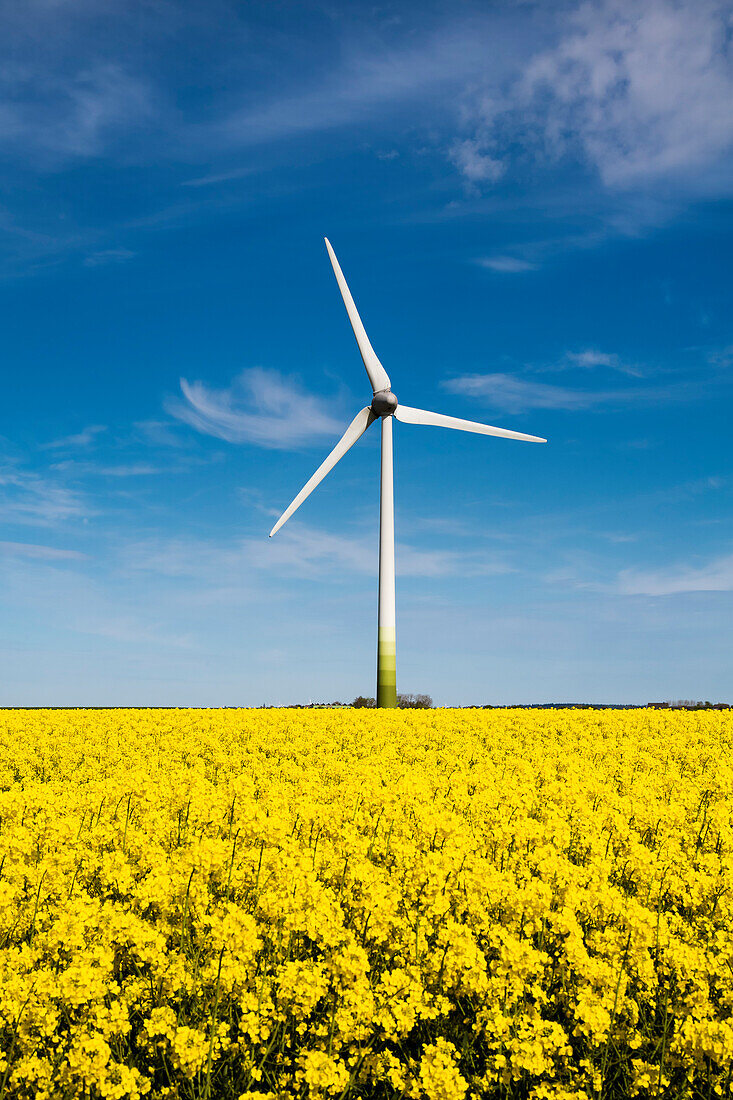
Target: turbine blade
377	374
420	416
355	430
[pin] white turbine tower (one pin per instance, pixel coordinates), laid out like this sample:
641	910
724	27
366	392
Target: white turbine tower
384	406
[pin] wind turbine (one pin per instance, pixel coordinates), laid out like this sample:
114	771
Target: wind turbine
384	406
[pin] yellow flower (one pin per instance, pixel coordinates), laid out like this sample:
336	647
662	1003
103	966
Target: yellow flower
439	1076
323	1073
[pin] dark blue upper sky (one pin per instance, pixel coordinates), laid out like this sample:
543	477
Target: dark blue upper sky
532	205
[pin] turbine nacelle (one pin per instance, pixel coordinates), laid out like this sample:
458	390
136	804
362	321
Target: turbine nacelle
384	403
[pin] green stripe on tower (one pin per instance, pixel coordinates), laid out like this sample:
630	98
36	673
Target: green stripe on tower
386	669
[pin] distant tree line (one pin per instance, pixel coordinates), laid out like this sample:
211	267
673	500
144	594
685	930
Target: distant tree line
690	704
411	702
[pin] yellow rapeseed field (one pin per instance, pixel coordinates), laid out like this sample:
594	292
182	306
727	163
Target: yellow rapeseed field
439	904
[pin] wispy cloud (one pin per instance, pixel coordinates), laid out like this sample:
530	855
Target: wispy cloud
505	391
299	550
592	358
369	76
27	497
475	163
637	90
721	357
688	490
160	433
261	407
51	115
515	393
129	469
507	265
109	256
616	536
82	439
715	576
304	550
219	177
44	553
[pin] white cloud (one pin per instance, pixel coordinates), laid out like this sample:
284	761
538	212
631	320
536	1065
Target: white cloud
261	407
55	115
370	77
109	256
159	433
504	391
475	163
305	549
30	498
81	439
45	553
514	394
509	265
299	550
688	490
721	357
130	469
219	177
716	576
590	358
638	89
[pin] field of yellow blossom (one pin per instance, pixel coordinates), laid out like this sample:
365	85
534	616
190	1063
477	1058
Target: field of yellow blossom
336	903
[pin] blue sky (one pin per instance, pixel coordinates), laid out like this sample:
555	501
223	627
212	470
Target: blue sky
532	206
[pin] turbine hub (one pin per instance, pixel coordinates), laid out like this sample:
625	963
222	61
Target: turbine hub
384	403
